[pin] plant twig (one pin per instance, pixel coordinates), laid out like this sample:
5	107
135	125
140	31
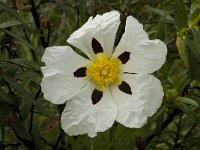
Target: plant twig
3	146
60	137
188	133
37	23
32	108
142	143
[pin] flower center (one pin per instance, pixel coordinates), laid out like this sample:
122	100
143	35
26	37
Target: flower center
104	71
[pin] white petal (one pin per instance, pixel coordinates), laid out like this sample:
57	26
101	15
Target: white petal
147	55
146	98
102	27
80	116
59	83
133	33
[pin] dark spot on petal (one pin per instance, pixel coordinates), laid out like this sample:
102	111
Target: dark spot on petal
80	72
124	57
125	87
96	46
96	96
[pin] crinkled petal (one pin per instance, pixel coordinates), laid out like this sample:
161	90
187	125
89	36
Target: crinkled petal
80	116
146	56
102	27
133	33
58	83
146	98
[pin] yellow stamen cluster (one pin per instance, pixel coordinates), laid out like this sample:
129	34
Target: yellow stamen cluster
104	71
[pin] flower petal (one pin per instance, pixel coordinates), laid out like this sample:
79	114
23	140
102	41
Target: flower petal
146	98
103	28
133	33
146	56
58	81
80	116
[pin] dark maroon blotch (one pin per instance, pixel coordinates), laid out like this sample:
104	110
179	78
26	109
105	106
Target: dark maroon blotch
96	96
80	72
124	57
125	87
96	46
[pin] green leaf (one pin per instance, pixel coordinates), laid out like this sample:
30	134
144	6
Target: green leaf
182	15
10	23
2	129
165	15
193	42
193	69
195	94
20	130
61	4
37	137
25	110
24	93
195	17
30	65
5	7
187	109
15	84
182	51
187	100
4	111
19	88
21	39
182	79
26	74
4	97
82	9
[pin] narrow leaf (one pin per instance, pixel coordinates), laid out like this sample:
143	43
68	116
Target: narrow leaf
182	15
21	39
24	93
182	51
187	100
10	23
20	130
4	97
165	15
185	108
83	9
19	88
193	42
5	7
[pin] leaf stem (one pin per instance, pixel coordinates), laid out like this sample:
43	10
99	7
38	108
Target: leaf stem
32	108
37	23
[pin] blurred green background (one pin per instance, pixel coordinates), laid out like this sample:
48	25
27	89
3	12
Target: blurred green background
27	121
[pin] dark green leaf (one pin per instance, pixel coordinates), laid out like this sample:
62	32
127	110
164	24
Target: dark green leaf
165	15
20	130
181	46
182	15
193	42
187	100
82	9
182	79
193	65
4	113
4	97
9	23
188	110
14	13
24	93
21	39
30	65
195	17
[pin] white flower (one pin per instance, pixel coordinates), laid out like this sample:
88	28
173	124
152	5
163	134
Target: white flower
110	85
